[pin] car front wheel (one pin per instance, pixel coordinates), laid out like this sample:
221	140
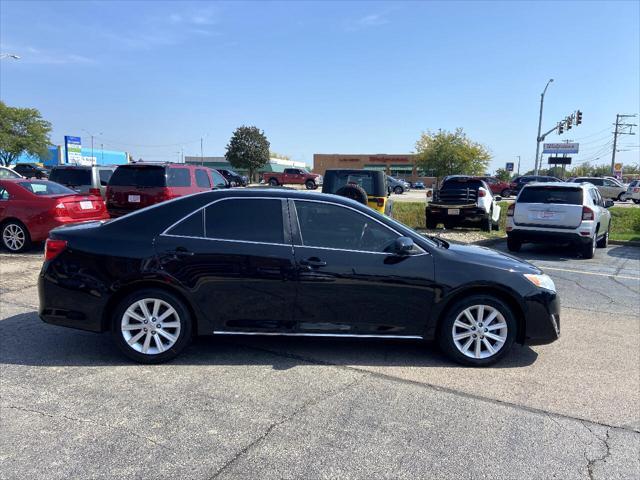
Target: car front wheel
151	326
477	331
398	190
273	182
310	184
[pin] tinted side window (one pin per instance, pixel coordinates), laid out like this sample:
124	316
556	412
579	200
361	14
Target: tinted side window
254	220
178	177
332	226
218	180
291	170
71	176
594	196
105	176
4	195
202	179
192	226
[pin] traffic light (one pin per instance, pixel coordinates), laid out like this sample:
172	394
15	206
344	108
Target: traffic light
569	122
578	117
560	128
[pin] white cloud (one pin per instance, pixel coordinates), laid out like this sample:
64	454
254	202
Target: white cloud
372	20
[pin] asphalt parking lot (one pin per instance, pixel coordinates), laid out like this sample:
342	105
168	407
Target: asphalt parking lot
73	407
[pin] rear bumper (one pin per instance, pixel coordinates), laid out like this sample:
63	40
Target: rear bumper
546	236
467	213
542	318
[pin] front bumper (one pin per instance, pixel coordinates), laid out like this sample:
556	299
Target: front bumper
542	318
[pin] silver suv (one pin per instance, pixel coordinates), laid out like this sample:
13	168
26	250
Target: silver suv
608	187
83	179
560	212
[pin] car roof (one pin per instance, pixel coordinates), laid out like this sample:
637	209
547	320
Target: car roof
558	184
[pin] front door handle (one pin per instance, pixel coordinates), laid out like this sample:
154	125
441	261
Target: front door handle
313	262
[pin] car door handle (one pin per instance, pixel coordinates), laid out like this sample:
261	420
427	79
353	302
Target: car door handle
313	262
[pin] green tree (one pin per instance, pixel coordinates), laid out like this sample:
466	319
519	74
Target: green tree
22	130
279	155
248	149
451	153
503	174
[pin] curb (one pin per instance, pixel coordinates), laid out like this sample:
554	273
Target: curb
622	242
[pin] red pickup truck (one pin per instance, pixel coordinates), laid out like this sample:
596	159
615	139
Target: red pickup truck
292	176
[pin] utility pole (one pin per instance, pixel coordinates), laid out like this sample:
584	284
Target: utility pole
518	174
539	138
617	132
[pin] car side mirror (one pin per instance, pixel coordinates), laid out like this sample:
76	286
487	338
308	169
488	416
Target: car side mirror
402	246
608	203
498	198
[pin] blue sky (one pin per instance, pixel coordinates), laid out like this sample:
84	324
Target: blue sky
360	77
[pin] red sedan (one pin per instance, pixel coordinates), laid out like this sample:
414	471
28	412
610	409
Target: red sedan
30	208
497	186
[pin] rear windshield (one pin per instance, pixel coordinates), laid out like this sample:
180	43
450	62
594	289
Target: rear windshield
458	183
44	188
71	176
565	196
364	180
138	177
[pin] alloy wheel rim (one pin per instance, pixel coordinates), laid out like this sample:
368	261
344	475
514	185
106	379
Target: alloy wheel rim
13	236
150	326
479	331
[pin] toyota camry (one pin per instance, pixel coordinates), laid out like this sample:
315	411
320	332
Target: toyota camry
285	262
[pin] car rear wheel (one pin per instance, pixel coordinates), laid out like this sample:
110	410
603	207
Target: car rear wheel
621	197
398	190
310	184
151	326
487	223
636	201
477	331
15	236
273	182
513	245
604	241
589	250
431	223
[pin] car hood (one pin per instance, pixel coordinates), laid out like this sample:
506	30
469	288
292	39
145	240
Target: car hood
475	254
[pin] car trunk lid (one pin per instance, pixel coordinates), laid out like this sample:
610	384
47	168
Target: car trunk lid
549	206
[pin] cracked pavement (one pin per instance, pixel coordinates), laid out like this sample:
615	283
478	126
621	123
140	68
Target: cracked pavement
72	407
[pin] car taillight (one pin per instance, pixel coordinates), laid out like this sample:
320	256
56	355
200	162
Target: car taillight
380	202
511	209
94	191
587	213
481	193
61	210
53	248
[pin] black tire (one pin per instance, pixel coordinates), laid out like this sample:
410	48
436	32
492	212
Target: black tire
446	331
449	225
431	223
273	182
183	333
505	193
15	236
589	250
513	245
620	199
636	200
310	184
354	192
604	241
486	223
398	190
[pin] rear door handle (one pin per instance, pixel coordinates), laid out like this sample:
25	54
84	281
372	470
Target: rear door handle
313	262
181	252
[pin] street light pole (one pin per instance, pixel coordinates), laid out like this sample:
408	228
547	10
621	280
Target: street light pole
518	174
538	138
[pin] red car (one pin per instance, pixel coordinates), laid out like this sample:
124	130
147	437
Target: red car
294	176
138	185
497	186
30	208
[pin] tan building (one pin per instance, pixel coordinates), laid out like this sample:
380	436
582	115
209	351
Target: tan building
402	165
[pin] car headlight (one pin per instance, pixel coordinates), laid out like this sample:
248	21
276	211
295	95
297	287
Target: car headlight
541	281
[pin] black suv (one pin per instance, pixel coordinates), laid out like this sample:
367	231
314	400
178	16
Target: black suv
30	170
234	179
519	182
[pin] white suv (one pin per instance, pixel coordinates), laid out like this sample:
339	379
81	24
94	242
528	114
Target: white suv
633	191
559	213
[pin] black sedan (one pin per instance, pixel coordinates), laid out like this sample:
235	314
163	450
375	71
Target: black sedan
284	262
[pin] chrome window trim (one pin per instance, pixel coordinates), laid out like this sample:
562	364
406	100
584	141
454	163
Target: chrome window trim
226	240
333	335
357	211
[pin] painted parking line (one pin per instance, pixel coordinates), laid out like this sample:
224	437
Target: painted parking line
589	273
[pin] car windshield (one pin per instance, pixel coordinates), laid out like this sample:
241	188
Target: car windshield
71	176
138	176
44	188
544	194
